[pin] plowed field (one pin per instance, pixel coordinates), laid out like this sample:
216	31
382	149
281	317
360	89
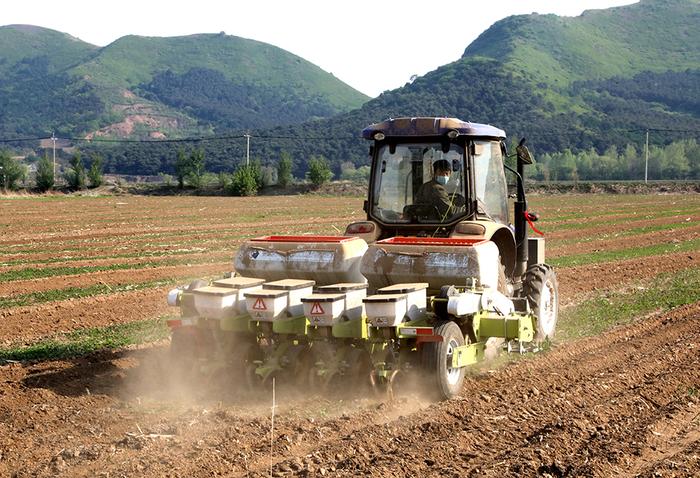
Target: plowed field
617	396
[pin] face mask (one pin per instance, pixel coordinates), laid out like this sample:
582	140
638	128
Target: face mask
442	179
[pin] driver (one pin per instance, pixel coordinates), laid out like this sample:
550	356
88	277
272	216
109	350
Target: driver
434	193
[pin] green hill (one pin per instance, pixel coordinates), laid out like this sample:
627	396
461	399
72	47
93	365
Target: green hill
595	80
652	35
25	44
157	87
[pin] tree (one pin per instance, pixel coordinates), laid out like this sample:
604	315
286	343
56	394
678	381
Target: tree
284	169
256	168
351	173
182	164
196	170
10	171
675	164
243	182
95	172
75	176
319	170
45	179
633	162
692	152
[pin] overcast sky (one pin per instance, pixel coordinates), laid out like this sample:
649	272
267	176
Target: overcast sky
371	45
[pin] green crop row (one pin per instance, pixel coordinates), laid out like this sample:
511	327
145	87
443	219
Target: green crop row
55	295
636	231
660	294
85	341
37	273
131	255
43	247
622	254
590	222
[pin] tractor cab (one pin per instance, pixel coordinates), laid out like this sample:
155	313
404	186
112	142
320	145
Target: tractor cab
430	174
445	178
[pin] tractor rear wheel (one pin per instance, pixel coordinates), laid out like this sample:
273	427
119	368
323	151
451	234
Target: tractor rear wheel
542	292
437	360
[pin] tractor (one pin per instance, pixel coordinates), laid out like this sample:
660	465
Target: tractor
438	274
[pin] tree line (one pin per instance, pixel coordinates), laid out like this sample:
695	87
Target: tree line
77	176
678	160
190	171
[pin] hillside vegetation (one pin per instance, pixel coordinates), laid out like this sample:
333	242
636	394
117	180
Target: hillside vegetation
141	87
591	82
588	82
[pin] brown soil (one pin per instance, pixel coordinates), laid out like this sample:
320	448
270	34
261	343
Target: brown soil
113	278
614	237
624	403
577	283
620	404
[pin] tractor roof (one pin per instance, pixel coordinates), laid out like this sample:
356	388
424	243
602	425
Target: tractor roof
430	126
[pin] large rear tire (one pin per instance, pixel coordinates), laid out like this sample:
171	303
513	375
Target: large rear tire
542	292
445	380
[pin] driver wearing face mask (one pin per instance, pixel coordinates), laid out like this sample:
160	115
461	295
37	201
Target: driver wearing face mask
434	193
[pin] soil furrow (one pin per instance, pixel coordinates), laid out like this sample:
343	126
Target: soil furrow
541	416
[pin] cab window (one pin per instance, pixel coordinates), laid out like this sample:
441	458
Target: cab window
405	187
490	181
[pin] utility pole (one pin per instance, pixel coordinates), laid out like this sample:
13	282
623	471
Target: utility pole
247	149
646	158
53	138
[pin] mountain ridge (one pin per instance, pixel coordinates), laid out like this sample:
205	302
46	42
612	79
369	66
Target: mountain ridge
118	75
563	82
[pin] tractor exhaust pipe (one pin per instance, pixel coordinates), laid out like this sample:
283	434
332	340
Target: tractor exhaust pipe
521	254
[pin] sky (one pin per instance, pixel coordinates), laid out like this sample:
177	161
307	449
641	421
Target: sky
372	46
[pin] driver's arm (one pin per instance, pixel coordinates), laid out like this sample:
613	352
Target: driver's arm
441	200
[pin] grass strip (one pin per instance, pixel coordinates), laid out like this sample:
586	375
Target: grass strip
660	294
590	222
637	231
78	293
131	255
38	273
597	257
86	341
631	212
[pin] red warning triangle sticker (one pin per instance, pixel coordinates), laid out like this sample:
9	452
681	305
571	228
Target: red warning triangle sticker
259	305
317	309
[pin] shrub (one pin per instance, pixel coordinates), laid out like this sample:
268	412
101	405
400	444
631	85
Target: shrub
10	171
360	174
284	170
243	182
76	176
224	180
196	171
45	178
167	179
319	170
95	172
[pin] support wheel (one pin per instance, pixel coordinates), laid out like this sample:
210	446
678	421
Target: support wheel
542	292
437	360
